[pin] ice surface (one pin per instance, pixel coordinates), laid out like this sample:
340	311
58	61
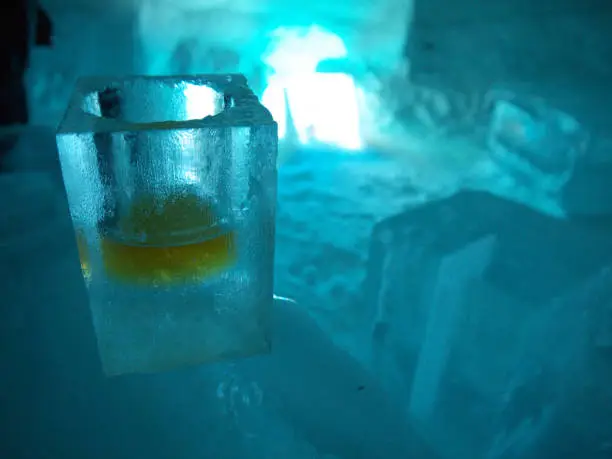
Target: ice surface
172	181
329	397
475	285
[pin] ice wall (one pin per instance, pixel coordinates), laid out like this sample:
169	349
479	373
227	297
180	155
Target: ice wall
192	36
86	42
556	52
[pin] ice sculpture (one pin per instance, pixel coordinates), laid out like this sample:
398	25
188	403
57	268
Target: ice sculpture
323	393
476	285
171	185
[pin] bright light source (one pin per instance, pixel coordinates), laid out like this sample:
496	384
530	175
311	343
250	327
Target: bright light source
298	50
201	101
320	107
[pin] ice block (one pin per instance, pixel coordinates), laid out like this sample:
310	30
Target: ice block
536	143
171	184
479	323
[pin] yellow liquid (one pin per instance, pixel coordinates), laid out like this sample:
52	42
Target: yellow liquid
168	253
83	254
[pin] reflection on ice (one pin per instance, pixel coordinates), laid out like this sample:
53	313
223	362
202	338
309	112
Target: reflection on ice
202	101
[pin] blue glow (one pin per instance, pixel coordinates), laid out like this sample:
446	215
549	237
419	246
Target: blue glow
323	107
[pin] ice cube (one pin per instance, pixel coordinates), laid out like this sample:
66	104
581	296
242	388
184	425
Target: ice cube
160	174
536	143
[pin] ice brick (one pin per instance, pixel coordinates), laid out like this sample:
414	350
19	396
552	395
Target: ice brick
171	184
535	143
475	285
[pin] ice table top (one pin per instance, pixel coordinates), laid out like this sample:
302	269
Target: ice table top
53	377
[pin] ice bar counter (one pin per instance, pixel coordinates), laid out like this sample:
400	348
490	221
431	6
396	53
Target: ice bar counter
171	185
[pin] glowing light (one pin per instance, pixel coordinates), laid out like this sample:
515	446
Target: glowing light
192	176
312	106
201	101
298	50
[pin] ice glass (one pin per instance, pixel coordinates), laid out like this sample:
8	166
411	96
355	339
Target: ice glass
171	184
